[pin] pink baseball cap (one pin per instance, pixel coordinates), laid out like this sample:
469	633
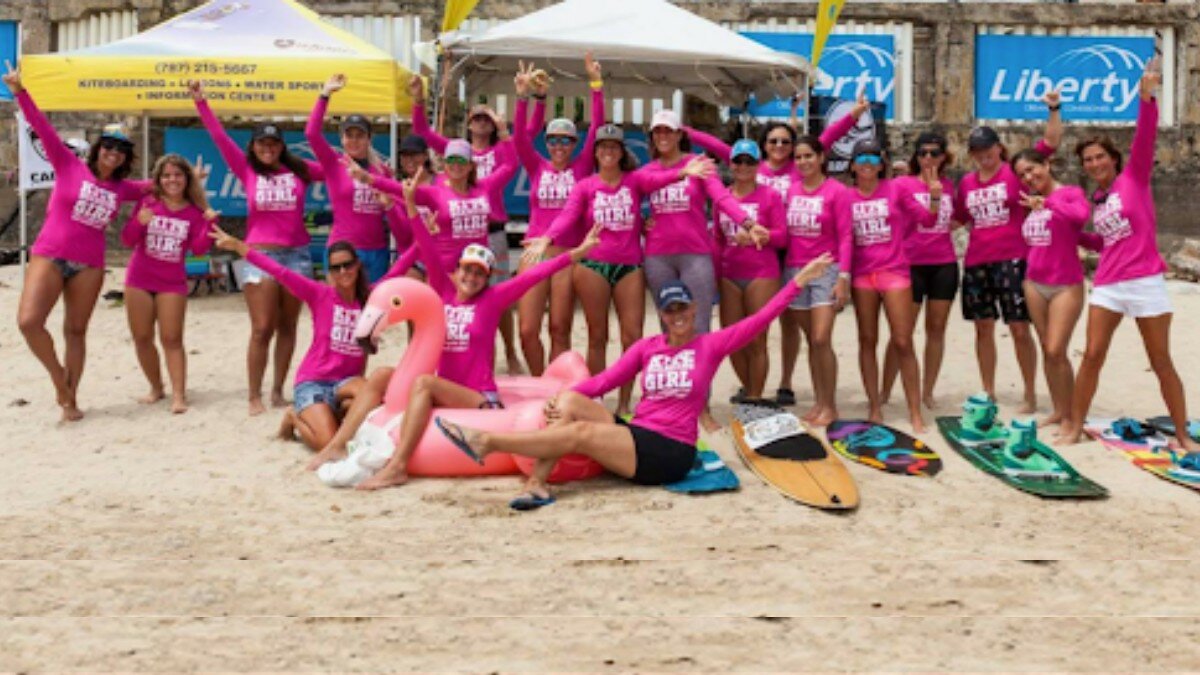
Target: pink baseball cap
666	118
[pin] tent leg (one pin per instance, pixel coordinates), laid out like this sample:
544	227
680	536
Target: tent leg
24	206
145	146
392	130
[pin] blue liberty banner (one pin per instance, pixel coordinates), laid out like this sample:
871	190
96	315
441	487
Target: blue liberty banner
8	52
225	191
1097	76
848	64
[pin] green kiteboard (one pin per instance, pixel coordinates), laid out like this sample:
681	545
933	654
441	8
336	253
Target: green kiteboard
1013	454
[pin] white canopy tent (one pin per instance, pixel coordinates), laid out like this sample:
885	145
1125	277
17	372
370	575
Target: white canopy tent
647	48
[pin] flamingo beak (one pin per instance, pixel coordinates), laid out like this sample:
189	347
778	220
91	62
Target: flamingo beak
366	330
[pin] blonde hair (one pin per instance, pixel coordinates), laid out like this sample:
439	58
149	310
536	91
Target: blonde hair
193	191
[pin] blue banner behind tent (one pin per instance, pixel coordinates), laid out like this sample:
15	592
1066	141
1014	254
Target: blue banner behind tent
8	52
225	191
848	63
1097	75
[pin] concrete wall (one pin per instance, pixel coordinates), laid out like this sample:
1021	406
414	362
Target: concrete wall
944	36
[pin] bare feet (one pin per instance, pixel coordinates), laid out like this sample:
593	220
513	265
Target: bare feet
824	417
515	367
1051	419
1029	407
71	413
812	413
1069	434
929	401
278	401
709	423
256	406
1187	443
287	426
918	423
179	405
387	477
885	397
330	453
154	396
875	415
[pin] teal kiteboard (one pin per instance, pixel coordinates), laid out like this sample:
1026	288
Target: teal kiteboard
1013	454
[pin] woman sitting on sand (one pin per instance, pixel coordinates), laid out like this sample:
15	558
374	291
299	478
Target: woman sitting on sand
659	444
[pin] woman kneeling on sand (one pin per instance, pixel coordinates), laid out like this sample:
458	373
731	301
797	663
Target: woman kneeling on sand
659	444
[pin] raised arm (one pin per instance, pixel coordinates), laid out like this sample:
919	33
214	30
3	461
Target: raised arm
1141	152
709	143
584	160
56	150
437	276
522	142
230	152
420	125
834	132
1052	137
321	148
624	370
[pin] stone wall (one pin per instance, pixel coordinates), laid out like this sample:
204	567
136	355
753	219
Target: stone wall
944	35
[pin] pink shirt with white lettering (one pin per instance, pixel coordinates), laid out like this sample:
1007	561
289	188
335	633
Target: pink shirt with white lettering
274	201
80	206
617	207
879	223
813	225
931	244
994	213
676	380
357	214
750	261
470	350
550	188
1054	233
158	262
1126	218
680	222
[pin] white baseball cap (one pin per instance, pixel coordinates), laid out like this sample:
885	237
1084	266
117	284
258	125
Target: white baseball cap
474	254
666	118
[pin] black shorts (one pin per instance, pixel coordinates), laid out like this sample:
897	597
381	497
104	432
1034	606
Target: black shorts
935	282
992	290
660	459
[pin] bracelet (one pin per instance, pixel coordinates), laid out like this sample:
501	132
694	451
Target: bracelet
540	97
596	84
522	97
1054	108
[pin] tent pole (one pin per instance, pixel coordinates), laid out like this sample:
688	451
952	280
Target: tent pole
145	145
392	125
24	206
807	104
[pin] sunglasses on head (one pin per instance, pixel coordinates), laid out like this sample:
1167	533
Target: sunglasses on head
779	141
930	152
869	159
552	141
455	159
343	266
114	144
744	160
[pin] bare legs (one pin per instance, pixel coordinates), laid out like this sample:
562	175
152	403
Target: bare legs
789	345
750	363
898	307
367	397
44	284
629	299
1055	321
1026	351
937	316
531	309
166	310
817	324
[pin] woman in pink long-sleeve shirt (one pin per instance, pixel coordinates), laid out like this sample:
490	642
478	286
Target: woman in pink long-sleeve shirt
67	258
161	231
658	445
551	181
465	377
880	212
275	182
1129	279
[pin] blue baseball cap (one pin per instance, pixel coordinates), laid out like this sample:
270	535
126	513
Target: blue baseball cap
746	147
674	292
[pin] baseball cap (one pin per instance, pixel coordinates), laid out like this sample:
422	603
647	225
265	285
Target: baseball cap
474	254
413	144
561	126
356	121
665	118
479	110
931	138
673	293
267	130
867	146
459	148
982	138
610	132
746	147
117	132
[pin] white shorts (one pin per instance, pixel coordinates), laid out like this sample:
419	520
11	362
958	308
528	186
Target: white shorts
1136	298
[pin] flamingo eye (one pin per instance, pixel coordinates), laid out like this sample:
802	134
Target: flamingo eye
397	301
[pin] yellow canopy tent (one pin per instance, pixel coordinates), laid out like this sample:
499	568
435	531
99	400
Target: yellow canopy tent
255	57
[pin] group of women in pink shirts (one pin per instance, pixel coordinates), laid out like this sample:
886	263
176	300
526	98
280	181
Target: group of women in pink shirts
782	240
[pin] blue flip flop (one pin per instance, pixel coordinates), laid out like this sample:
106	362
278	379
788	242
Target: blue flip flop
530	502
455	436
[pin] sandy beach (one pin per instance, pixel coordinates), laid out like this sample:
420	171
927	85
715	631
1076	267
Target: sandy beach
138	540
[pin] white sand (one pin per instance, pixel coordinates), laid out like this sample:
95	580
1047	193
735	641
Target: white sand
135	540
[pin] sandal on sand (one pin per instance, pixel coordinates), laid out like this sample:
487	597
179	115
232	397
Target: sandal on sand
785	397
454	434
529	502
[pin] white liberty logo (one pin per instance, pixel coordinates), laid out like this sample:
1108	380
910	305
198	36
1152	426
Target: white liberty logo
1112	91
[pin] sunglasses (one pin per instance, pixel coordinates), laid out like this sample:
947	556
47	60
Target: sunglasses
875	160
114	144
456	160
779	141
931	152
552	141
343	267
744	160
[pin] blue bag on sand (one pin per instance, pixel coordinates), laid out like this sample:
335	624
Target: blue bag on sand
708	474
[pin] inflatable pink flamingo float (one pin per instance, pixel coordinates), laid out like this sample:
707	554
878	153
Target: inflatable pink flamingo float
400	300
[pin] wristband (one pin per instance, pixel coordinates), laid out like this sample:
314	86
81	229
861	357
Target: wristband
596	84
1054	108
325	96
522	97
540	97
844	275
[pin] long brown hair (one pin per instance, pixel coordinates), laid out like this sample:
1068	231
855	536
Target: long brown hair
286	159
121	172
362	287
193	191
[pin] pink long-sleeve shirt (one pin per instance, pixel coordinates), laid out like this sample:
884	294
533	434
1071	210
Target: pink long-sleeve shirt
813	225
275	201
676	380
879	223
1126	219
779	178
751	262
993	210
618	208
357	215
1054	233
470	350
158	262
930	243
81	207
550	188
680	223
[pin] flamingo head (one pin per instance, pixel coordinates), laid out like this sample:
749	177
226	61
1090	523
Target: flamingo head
395	301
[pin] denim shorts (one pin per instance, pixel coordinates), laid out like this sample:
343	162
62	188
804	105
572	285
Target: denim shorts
317	391
818	293
296	259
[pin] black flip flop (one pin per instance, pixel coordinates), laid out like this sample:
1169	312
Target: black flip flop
455	435
530	502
